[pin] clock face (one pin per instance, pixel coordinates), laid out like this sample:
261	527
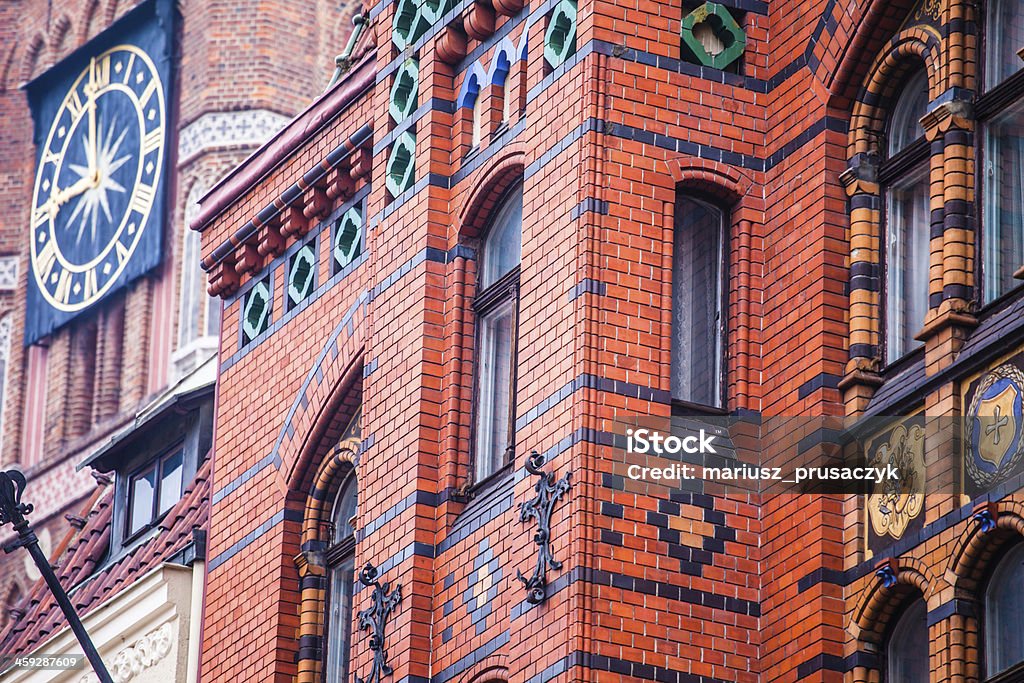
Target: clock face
98	176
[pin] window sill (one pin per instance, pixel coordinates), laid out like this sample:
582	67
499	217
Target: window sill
1011	675
489	482
688	409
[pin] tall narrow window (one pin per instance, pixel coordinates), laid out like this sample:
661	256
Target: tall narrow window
698	321
907	221
189	311
341	572
198	312
907	649
5	353
1004	615
1001	110
497	308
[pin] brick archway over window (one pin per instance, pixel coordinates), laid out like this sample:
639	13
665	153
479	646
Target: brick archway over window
719	180
492	669
977	551
501	174
330	473
879	604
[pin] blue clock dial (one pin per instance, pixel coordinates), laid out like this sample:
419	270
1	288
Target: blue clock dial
97	178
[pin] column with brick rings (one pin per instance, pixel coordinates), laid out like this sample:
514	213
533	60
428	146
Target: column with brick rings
860	181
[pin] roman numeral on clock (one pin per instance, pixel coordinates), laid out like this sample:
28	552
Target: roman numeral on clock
142	198
128	68
63	291
40	215
101	74
147	93
75	105
90	284
153	141
122	253
45	259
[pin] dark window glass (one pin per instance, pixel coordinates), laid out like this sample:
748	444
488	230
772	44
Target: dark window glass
154	490
341	572
1004	38
1003	190
697	316
496	306
1004	614
908	647
905	121
1001	113
907	218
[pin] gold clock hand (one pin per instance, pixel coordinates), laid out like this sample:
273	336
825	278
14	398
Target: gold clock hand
93	142
60	197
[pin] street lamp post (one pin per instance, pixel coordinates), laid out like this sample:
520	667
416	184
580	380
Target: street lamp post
13	511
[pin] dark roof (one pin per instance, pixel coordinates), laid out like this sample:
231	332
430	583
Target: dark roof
79	567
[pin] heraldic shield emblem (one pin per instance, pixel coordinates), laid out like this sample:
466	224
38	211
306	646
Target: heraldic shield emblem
994	436
894	506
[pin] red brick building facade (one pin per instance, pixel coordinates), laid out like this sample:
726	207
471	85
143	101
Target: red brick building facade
511	228
828	153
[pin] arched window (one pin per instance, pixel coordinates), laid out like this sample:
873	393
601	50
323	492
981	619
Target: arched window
904	172
497	309
340	558
1004	614
907	648
698	317
198	312
1001	113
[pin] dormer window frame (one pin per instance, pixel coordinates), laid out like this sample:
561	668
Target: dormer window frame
158	506
187	428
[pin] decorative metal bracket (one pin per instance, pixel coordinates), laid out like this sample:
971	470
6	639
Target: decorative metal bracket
384	602
549	491
12	510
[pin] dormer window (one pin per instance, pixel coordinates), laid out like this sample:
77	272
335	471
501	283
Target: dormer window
154	460
154	489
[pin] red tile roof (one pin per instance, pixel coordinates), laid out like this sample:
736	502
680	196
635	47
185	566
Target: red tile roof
88	548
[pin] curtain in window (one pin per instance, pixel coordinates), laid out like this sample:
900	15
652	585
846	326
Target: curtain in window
697	302
907	261
1003	217
1004	614
341	562
1004	36
495	363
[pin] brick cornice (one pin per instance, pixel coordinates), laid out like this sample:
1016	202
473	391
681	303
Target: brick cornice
302	128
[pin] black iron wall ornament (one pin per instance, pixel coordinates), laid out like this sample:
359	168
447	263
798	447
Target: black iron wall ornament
375	617
549	491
